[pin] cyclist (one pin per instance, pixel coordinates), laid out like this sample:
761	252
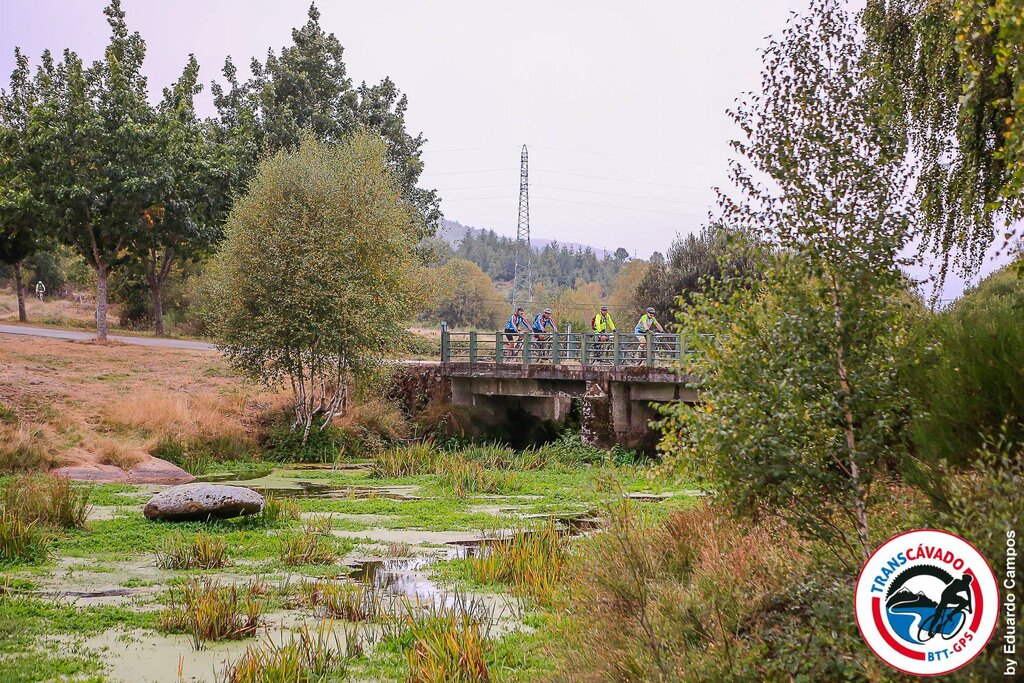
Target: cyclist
541	323
516	321
603	324
951	600
40	289
643	326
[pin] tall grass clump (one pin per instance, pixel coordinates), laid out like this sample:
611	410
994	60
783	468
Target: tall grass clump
207	611
306	548
403	461
23	448
307	657
347	600
703	597
450	643
277	511
466	477
532	562
202	551
21	541
46	500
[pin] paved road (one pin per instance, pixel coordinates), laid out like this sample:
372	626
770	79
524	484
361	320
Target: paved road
78	335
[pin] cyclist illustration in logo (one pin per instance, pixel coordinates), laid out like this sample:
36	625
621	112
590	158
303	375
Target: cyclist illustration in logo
916	617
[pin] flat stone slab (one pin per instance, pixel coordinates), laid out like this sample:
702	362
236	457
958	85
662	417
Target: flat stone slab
201	501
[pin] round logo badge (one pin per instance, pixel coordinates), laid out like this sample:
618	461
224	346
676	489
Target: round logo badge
926	602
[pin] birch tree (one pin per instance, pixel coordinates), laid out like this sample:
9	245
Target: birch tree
315	278
801	404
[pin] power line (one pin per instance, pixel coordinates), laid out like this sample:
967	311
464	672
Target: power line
473	199
623	156
627	196
465	149
625	180
613	206
486	170
471	187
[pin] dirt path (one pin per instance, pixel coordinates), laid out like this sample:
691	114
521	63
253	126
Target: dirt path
77	335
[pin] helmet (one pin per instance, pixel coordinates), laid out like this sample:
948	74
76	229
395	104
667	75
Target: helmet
547	311
651	311
604	308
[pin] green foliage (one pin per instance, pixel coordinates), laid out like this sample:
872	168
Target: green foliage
953	70
404	461
284	444
306	90
801	404
966	375
315	275
308	547
463	296
694	263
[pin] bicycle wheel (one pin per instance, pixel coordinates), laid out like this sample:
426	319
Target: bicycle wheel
924	629
962	621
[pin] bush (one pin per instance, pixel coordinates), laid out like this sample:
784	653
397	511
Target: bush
51	501
703	597
284	444
967	372
450	644
277	511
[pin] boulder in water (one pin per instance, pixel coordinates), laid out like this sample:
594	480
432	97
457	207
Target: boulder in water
202	501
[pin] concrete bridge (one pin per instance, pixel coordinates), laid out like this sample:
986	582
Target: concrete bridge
613	380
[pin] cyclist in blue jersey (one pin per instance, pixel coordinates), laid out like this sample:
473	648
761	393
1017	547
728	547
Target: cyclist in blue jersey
513	336
543	321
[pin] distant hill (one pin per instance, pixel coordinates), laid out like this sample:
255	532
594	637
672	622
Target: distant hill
452	232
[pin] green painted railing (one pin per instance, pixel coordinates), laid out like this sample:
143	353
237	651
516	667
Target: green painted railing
615	349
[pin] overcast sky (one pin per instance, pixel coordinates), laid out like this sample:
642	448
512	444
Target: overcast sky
622	105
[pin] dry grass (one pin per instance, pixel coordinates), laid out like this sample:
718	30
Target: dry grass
21	541
346	600
49	311
677	601
277	511
24	448
376	418
450	644
178	415
532	562
78	397
403	461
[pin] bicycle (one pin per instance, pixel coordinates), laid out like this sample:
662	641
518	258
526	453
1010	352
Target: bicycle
928	628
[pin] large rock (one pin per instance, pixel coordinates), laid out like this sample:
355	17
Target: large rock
202	501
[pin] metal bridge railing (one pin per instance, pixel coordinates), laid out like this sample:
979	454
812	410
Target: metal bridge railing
596	349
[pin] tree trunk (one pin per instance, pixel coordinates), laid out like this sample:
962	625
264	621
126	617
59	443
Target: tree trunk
102	274
156	291
849	427
19	286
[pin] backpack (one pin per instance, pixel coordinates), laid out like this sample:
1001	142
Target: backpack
593	323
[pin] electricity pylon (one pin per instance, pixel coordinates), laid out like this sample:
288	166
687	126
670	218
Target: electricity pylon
522	283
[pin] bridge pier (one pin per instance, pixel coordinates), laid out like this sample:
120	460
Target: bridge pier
615	403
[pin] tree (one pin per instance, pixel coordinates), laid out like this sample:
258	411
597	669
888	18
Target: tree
185	221
623	299
101	162
461	294
692	265
801	403
316	272
954	71
21	231
307	89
